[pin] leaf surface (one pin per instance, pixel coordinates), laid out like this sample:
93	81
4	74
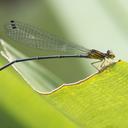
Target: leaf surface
98	102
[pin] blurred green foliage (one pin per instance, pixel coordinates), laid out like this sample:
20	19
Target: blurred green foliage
22	107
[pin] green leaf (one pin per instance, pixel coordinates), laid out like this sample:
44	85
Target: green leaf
98	102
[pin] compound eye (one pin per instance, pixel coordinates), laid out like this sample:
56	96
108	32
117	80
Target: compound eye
109	52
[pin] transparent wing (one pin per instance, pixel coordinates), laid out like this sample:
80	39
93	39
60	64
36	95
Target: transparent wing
35	38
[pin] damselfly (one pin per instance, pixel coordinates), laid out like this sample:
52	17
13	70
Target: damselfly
35	38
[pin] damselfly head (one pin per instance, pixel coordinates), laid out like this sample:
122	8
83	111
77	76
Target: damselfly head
110	54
